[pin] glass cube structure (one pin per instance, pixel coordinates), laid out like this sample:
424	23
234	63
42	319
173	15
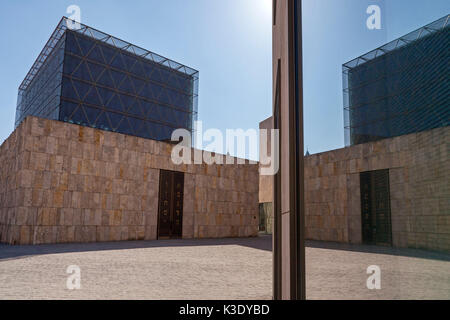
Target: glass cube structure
87	77
400	88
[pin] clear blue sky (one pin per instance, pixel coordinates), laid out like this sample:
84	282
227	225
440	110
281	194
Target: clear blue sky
229	42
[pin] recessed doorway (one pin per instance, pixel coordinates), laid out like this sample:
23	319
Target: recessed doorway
170	208
376	208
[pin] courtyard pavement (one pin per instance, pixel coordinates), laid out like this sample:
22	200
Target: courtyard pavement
215	269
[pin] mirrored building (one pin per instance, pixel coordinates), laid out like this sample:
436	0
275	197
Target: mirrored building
86	77
399	88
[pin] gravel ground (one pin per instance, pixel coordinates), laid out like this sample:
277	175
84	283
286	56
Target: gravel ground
215	269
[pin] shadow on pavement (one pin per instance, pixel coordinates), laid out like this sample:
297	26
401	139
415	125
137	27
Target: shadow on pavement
404	252
263	242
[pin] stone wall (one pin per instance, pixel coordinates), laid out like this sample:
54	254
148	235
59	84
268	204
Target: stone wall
78	184
419	174
9	164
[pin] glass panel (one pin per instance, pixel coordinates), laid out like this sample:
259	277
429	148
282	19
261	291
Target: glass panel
103	122
126	85
71	44
108	53
127	102
129	61
115	119
81	89
117	62
67	109
71	63
135	110
106	79
118	77
96	55
125	127
95	70
115	103
68	90
79	117
85	44
139	70
92	115
82	72
92	97
105	95
138	127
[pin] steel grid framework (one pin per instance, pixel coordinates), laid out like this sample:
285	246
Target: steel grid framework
107	83
399	88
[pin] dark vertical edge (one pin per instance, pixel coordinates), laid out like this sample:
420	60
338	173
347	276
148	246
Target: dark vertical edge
277	194
301	194
373	209
362	192
297	185
389	216
181	174
159	205
172	204
276	283
274	12
292	259
62	76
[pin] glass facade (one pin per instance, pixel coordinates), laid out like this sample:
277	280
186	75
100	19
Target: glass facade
400	88
42	96
93	79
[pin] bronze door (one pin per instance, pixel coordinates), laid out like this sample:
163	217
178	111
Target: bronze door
375	208
170	216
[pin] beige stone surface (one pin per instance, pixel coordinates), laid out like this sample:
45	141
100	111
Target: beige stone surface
215	269
67	183
419	174
165	269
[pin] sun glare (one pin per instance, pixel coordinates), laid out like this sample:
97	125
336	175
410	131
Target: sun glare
267	6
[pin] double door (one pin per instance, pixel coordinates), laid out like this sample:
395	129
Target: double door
170	215
376	208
